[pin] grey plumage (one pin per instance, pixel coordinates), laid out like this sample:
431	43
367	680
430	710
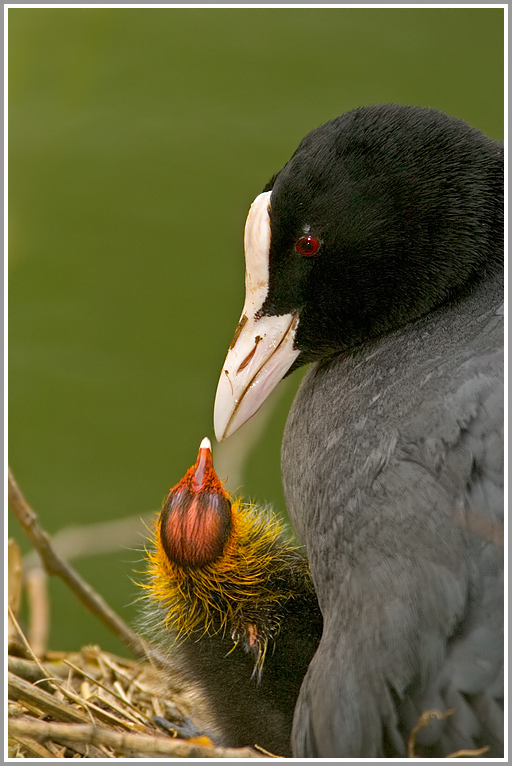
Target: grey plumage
398	494
377	251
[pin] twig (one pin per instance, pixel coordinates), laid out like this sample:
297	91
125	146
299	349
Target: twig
130	745
266	752
37	595
423	721
468	753
25	643
34	749
22	691
29	671
96	539
55	565
115	694
103	537
14	583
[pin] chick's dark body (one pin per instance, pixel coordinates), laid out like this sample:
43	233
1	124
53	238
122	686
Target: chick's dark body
241	709
234	616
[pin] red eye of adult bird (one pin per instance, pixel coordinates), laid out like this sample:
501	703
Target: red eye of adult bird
392	455
307	245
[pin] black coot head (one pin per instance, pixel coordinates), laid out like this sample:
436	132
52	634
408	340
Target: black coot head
380	215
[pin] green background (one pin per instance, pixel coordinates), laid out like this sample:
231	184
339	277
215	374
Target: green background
137	140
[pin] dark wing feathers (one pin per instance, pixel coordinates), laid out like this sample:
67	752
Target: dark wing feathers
416	546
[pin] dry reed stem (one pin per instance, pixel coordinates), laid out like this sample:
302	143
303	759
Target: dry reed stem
56	565
14	578
96	539
92	697
423	721
124	745
468	753
39	610
95	731
112	692
25	643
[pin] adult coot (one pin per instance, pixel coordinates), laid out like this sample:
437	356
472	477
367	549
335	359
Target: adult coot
230	603
376	252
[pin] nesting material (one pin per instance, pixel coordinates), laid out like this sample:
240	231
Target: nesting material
89	704
92	704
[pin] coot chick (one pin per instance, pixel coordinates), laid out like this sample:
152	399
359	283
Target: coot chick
377	253
230	602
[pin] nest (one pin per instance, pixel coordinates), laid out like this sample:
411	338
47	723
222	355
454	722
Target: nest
90	704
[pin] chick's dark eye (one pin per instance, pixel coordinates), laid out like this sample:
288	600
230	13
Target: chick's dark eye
307	245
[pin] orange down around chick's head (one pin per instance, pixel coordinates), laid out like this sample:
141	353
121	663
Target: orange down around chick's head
230	604
220	566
